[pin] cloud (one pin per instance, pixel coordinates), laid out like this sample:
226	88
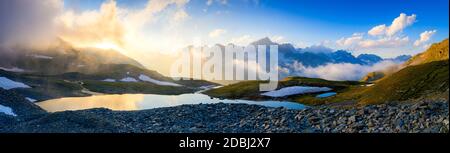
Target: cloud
209	2
424	37
358	42
339	72
180	15
317	49
426	46
387	42
378	30
242	40
25	22
113	24
217	33
224	2
381	36
397	25
277	39
350	41
89	27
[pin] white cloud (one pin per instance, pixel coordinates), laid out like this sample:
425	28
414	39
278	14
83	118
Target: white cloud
180	16
209	2
120	26
341	71
400	23
378	30
426	46
242	40
108	24
217	33
358	42
381	36
387	42
397	25
224	2
424	37
317	49
301	44
277	39
350	41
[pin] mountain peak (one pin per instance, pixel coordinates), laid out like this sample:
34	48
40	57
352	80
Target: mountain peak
264	41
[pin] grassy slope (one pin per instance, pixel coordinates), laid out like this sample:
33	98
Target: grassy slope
409	83
373	76
424	74
119	71
250	89
67	84
44	87
241	90
436	52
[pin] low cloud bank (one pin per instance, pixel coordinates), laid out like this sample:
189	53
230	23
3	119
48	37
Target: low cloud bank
340	71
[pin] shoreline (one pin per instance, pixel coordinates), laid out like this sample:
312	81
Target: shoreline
421	117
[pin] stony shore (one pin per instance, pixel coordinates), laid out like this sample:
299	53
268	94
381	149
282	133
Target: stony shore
422	117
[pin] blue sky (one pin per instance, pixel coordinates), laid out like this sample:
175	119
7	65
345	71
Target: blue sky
300	22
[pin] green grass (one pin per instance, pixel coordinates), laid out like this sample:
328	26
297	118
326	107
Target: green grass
373	76
241	90
47	88
350	94
250	89
67	85
409	83
436	52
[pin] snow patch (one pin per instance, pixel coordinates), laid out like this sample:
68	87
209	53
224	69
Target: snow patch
294	90
129	79
30	99
325	95
7	110
109	80
14	69
7	84
367	85
208	87
41	56
157	82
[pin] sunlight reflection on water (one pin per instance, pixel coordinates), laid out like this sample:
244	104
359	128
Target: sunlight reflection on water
147	101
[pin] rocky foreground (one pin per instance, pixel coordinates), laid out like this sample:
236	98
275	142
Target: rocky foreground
238	118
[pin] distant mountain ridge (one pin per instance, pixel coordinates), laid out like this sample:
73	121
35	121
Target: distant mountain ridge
319	55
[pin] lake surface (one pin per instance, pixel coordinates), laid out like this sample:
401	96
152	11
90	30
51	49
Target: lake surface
325	95
127	102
